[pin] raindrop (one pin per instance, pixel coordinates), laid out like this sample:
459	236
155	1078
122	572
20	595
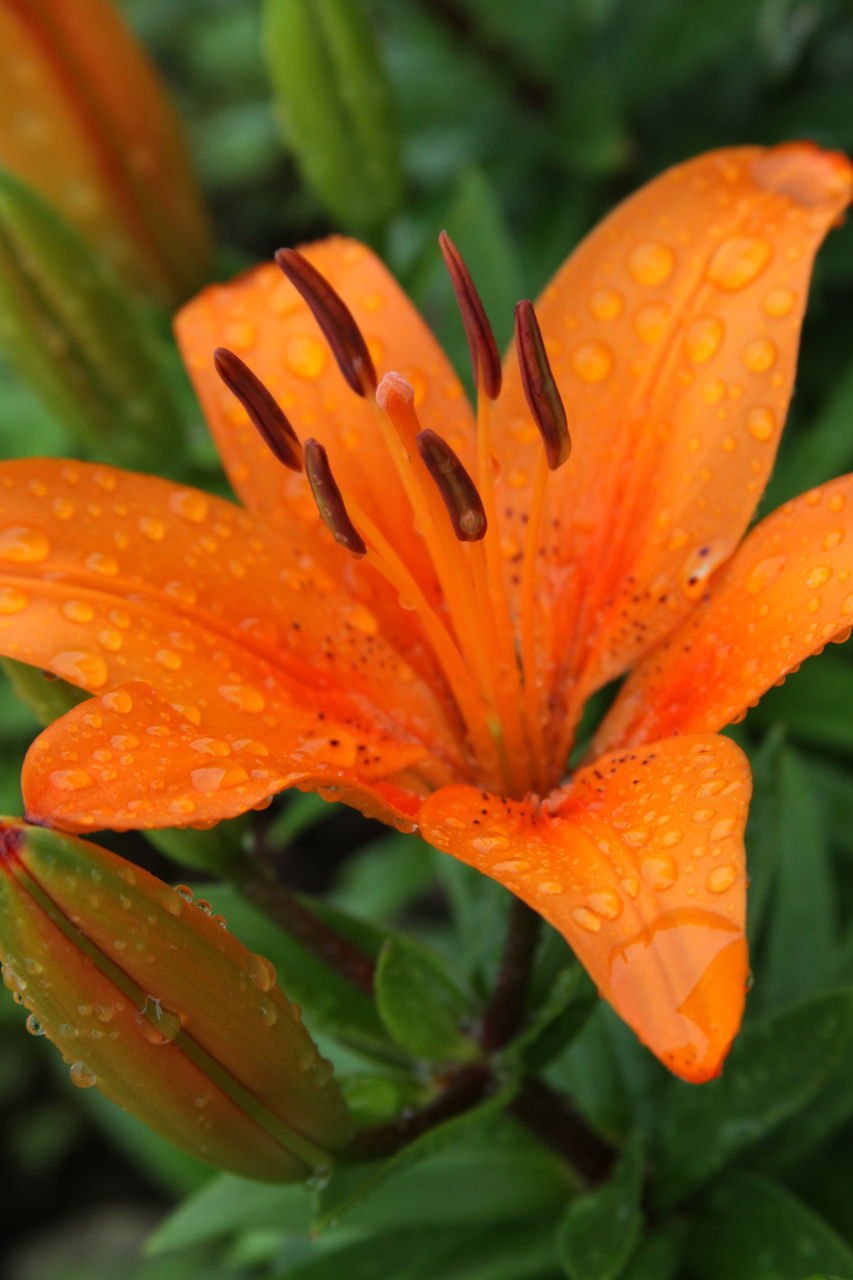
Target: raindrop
81	1076
157	1022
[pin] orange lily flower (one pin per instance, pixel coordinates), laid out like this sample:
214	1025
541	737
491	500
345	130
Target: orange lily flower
432	676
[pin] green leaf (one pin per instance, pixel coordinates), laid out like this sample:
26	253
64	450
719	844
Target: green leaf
228	1204
348	1186
825	450
658	1254
801	928
775	1068
749	1228
814	703
600	1228
330	1002
498	1252
336	107
79	340
381	878
419	1004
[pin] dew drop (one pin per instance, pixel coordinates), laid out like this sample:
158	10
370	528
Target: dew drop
587	919
71	779
722	829
153	529
759	355
765	573
720	879
761	422
168	659
605	304
209	780
86	669
650	322
591	361
81	1076
631	886
184	891
119	700
659	871
305	356
12	600
818	576
261	972
21	545
605	903
703	338
243	696
101	563
738	261
190	504
269	1013
77	611
157	1022
34	1026
651	262
779	302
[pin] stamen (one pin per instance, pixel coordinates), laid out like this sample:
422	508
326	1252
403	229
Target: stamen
540	389
260	404
334	318
330	504
485	359
457	489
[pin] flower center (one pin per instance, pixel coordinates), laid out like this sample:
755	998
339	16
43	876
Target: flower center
490	631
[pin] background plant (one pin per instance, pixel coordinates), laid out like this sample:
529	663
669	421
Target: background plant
515	129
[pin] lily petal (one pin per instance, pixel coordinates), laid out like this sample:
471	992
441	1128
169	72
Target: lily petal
129	760
673	332
785	593
639	863
264	320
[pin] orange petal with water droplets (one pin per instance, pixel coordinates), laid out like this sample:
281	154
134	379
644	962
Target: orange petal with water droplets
264	320
673	333
106	576
786	593
641	868
130	760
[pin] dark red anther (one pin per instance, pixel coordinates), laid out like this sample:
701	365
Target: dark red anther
485	359
463	502
266	414
330	504
543	398
335	319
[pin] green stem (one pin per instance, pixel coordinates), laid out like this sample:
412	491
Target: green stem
506	1007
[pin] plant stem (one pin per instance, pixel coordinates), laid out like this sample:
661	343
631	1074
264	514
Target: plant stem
506	1007
550	1115
257	883
465	1088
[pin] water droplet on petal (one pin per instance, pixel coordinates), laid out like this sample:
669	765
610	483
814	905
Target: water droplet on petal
12	600
651	263
86	669
818	576
209	780
119	700
71	779
605	304
261	972
759	355
587	919
761	422
765	573
243	696
81	1076
650	322
157	1022
153	529
305	356
34	1026
703	338
659	871
190	504
605	903
591	361
738	261
21	545
779	302
720	879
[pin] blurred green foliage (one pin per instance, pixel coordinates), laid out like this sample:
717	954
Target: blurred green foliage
516	126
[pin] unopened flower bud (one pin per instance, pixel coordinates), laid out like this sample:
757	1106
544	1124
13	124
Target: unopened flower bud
87	122
148	996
